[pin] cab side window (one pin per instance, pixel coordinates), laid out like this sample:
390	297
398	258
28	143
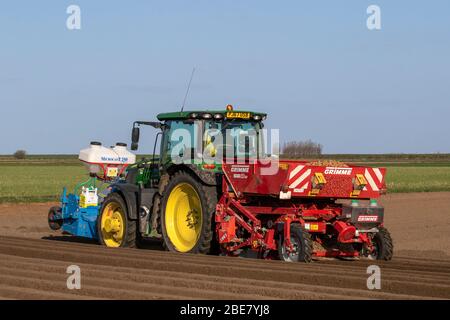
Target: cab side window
179	141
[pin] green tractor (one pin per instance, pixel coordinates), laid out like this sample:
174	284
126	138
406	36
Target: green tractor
174	196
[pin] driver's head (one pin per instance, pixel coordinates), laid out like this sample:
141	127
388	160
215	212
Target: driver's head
213	125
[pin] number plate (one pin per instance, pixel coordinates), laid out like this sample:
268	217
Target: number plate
238	115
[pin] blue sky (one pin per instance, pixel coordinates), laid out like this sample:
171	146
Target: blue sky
312	65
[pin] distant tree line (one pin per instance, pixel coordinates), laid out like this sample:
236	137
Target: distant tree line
20	154
297	149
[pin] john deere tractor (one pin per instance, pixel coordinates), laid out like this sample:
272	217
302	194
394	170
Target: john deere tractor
174	195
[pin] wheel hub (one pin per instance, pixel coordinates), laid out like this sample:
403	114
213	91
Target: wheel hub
291	253
192	219
112	224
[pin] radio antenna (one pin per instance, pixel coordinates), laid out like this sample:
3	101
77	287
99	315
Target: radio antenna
187	91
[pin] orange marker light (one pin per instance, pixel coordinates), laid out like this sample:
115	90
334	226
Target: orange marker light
229	107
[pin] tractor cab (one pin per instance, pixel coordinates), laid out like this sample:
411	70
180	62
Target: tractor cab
202	139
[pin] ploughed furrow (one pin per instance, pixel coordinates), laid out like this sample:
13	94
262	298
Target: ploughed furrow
269	289
150	274
219	261
26	283
420	266
111	288
222	287
14	292
347	280
214	260
390	268
438	259
352	279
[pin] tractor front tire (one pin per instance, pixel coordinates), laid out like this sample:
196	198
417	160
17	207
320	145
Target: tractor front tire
114	228
187	209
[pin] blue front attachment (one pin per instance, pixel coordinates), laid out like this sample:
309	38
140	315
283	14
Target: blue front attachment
81	222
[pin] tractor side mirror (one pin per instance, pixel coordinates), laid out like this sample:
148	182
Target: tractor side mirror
135	138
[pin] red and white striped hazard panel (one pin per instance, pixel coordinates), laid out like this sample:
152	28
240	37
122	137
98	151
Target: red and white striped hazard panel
374	178
299	178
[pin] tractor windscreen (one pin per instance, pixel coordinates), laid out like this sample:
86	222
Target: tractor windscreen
234	138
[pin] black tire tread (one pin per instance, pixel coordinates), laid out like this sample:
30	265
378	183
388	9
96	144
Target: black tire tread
386	251
163	182
306	250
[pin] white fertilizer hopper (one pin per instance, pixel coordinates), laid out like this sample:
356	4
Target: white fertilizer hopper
106	163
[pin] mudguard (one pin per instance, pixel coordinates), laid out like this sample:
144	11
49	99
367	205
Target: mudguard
129	193
207	177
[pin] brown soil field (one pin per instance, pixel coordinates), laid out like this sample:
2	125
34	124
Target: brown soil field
33	263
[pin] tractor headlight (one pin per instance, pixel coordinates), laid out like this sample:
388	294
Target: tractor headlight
218	116
257	117
207	116
193	115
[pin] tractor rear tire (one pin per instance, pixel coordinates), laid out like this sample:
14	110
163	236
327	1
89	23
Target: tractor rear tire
114	228
384	244
302	241
187	209
156	215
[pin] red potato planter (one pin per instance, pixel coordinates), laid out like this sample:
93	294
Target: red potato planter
294	215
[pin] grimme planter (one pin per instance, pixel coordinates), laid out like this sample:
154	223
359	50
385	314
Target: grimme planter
294	215
232	205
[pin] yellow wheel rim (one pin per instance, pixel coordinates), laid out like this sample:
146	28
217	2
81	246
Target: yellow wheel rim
183	217
112	224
